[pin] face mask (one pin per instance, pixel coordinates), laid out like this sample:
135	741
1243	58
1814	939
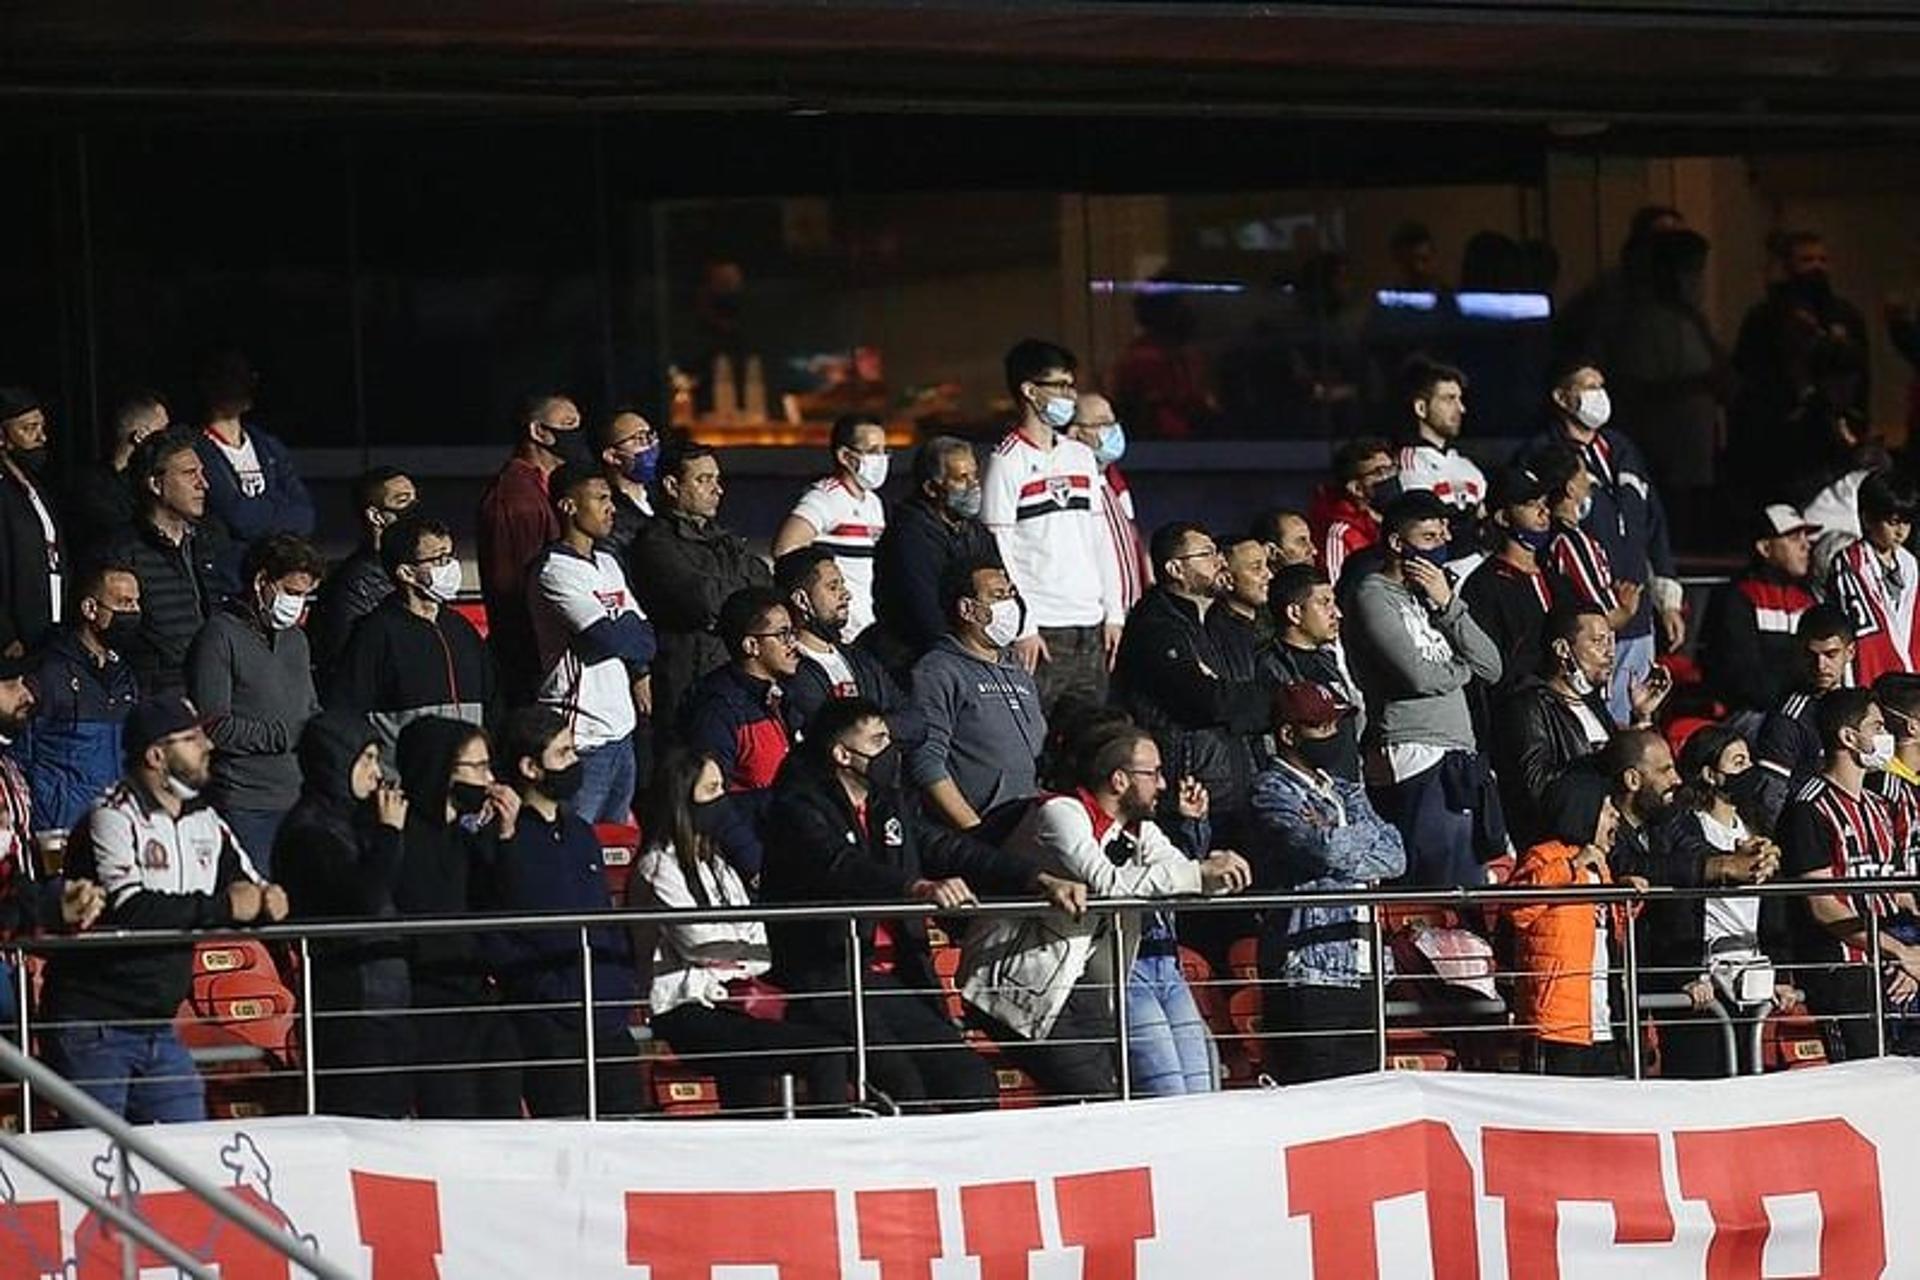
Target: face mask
1593	408
1435	556
965	503
284	610
872	470
571	447
32	461
467	798
1586	509
1744	787
710	818
883	768
1324	754
443	584
1879	754
1576	678
122	629
642	466
1381	494
563	784
185	790
1534	540
1057	411
1003	627
1112	445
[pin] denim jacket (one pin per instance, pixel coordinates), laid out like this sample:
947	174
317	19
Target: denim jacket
1314	831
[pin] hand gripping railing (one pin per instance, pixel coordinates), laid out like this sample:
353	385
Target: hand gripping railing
131	1142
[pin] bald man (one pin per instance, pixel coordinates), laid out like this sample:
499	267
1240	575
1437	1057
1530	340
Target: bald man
1095	426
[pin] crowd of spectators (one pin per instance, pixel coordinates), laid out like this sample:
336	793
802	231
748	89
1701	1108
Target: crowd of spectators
1438	675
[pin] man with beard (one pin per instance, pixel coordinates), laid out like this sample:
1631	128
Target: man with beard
810	583
166	860
24	905
32	551
1643	780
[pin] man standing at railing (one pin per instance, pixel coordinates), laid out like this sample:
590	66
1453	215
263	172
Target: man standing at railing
1837	828
166	860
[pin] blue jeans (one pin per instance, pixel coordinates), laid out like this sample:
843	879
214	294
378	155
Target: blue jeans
1169	1052
606	792
256	829
1632	660
141	1073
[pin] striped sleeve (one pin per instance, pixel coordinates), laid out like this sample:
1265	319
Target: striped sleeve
1582	562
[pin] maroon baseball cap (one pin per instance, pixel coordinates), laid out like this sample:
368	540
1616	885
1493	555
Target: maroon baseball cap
1304	703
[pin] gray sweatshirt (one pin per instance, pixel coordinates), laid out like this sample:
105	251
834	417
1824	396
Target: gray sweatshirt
256	690
1414	664
984	726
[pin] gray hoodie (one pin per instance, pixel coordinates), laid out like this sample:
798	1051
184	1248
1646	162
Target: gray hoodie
984	726
1414	664
256	690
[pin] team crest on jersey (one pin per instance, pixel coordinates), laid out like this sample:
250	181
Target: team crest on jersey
154	856
1060	489
893	833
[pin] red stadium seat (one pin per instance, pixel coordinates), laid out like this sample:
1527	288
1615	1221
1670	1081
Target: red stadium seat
1680	728
475	612
619	848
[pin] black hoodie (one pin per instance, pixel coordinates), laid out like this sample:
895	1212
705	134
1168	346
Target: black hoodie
337	862
1570	809
446	869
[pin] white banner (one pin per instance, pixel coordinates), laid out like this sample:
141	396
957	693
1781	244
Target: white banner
1403	1175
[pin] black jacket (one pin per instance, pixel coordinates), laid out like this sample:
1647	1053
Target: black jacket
98	509
180	586
908	562
1748	650
818	851
336	862
1537	738
809	690
446	868
26	560
1673	931
1195	687
353	590
1509	607
681	573
398	667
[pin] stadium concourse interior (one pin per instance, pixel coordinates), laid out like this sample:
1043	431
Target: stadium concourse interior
577	458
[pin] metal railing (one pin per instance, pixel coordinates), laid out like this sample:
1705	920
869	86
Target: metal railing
1389	1012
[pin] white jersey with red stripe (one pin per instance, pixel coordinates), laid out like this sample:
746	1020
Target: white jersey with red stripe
1448	474
1123	537
1040	504
847	521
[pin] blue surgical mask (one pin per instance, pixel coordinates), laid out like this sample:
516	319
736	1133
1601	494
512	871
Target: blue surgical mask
644	464
1057	411
1112	445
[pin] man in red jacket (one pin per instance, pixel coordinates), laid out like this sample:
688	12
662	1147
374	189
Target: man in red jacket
1344	517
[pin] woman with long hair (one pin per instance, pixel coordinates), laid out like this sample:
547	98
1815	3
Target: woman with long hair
709	997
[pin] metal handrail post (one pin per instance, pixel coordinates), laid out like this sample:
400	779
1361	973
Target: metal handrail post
129	1254
23	992
1379	989
132	1226
857	992
1679	1002
1120	1020
1879	985
309	1071
83	1109
1633	997
586	999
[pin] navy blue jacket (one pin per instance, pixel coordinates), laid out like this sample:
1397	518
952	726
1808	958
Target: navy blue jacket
1627	518
72	748
282	507
557	866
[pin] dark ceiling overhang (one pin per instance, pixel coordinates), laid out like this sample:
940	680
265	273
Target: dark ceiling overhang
1852	64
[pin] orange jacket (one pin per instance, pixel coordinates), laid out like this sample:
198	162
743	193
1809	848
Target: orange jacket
1553	948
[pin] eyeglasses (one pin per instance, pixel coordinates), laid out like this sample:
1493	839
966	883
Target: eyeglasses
645	439
433	562
1055	384
1211	553
785	635
1156	772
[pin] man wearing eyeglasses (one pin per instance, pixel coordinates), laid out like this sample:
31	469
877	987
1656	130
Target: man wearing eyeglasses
734	713
1039	503
629	459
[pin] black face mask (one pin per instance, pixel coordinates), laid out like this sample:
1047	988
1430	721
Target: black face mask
1744	788
467	798
709	818
571	447
32	461
1324	754
563	785
1382	495
123	629
883	767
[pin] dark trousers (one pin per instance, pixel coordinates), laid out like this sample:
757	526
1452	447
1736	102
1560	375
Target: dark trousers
1845	995
464	1060
768	1050
1553	1058
1075	1061
1439	838
363	1063
1328	1032
1076	667
553	1079
914	1055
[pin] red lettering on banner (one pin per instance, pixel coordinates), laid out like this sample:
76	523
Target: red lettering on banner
1106	1215
1003	1227
1534	1170
1733	1168
900	1230
30	1239
1335	1185
399	1224
190	1222
684	1235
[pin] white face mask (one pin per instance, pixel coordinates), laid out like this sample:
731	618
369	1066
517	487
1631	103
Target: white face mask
284	610
1586	509
872	470
1879	754
444	583
1003	628
181	789
1593	408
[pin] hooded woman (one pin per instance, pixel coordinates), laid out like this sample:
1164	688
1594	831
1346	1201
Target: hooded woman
339	853
1564	952
457	818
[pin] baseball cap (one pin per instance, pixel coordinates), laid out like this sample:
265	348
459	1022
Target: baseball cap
1513	487
157	718
1305	703
1777	520
17	668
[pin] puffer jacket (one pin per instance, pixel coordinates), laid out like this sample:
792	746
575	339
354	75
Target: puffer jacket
180	586
681	571
72	746
1020	972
